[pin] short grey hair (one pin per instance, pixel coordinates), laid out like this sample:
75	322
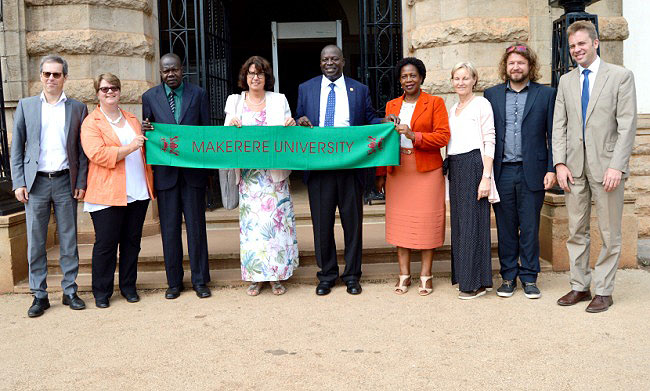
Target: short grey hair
56	59
467	66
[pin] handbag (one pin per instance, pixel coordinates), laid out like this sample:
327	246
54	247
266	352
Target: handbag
228	183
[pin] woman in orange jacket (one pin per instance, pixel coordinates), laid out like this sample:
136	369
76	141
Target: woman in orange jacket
120	185
415	190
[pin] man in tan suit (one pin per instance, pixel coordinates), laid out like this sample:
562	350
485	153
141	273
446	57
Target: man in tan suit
591	160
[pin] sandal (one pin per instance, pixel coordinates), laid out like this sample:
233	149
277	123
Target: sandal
277	288
423	290
254	289
403	284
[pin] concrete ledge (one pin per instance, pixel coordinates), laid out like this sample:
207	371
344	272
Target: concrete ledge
90	42
554	231
140	5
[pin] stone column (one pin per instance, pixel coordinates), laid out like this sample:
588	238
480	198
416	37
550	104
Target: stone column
96	36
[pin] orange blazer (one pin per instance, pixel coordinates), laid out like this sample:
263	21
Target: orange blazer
107	176
431	126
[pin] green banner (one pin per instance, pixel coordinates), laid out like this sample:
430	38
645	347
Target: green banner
273	147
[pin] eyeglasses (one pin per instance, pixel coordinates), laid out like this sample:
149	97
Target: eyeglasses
518	48
107	89
55	75
253	74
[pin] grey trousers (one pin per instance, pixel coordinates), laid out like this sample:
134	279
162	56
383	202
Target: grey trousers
44	194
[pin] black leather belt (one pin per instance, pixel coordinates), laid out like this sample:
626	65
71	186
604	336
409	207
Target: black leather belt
511	163
53	174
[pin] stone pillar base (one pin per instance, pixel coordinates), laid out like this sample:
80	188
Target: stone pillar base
553	233
13	251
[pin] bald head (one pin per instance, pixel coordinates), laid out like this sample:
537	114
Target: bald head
332	62
171	70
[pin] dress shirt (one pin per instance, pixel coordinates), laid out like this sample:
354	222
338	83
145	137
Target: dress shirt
405	116
592	75
515	104
178	99
53	155
342	109
136	182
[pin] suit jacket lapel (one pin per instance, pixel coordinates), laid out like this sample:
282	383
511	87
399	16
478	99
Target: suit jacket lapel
315	102
576	89
533	90
420	107
39	109
352	101
68	113
107	129
187	99
162	98
599	83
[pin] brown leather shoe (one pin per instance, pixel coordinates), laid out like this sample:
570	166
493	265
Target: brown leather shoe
574	297
600	304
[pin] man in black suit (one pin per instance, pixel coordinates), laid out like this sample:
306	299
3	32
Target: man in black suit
523	165
180	190
334	100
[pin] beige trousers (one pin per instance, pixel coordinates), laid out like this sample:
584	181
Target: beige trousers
609	208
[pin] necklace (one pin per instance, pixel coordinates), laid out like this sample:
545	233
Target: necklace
112	122
248	98
462	105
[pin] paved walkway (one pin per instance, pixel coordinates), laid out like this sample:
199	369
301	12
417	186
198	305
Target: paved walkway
298	341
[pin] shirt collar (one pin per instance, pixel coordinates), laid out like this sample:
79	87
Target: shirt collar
523	89
62	98
178	90
340	82
593	67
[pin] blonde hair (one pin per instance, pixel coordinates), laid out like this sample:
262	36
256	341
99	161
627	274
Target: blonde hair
110	78
469	67
584	25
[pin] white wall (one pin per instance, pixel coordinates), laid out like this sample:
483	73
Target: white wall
637	49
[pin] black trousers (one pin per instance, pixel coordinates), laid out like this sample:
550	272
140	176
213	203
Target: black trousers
117	226
174	203
327	191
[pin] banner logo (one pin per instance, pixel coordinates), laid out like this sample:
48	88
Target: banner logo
170	146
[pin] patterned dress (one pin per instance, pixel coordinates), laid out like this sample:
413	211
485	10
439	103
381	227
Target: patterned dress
267	224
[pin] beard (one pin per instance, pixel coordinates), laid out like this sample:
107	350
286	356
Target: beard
518	77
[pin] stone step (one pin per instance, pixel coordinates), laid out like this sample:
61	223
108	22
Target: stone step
375	272
223	248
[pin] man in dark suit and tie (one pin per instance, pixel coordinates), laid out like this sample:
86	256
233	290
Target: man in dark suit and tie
180	191
49	169
523	165
334	100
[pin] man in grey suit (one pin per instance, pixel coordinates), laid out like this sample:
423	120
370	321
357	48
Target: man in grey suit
594	126
49	168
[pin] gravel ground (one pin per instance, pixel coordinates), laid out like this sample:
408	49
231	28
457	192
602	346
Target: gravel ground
377	340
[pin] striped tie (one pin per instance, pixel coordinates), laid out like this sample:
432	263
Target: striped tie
172	103
331	105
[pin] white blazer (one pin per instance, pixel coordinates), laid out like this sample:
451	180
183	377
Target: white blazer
277	111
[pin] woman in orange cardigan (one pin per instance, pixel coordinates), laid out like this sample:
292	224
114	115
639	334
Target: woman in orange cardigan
415	190
120	185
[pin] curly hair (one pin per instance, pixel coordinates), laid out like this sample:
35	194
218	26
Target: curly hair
261	65
416	62
524	51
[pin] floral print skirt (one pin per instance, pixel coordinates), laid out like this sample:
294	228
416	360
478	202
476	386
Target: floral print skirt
267	228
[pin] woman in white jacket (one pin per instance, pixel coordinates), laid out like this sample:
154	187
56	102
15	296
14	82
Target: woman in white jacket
267	234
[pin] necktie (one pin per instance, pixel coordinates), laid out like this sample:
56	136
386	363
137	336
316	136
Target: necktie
331	105
172	103
585	100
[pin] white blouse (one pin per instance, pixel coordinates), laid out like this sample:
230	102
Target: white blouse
472	129
136	182
405	116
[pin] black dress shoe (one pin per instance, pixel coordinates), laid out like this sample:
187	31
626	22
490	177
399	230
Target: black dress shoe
102	303
173	292
202	291
131	297
38	307
354	288
74	302
323	288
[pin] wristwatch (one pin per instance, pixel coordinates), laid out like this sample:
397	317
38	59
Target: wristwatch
488	176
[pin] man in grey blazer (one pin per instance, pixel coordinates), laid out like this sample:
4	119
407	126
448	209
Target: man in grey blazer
594	126
48	169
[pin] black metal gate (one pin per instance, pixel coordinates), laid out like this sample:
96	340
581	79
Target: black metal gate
381	48
198	32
